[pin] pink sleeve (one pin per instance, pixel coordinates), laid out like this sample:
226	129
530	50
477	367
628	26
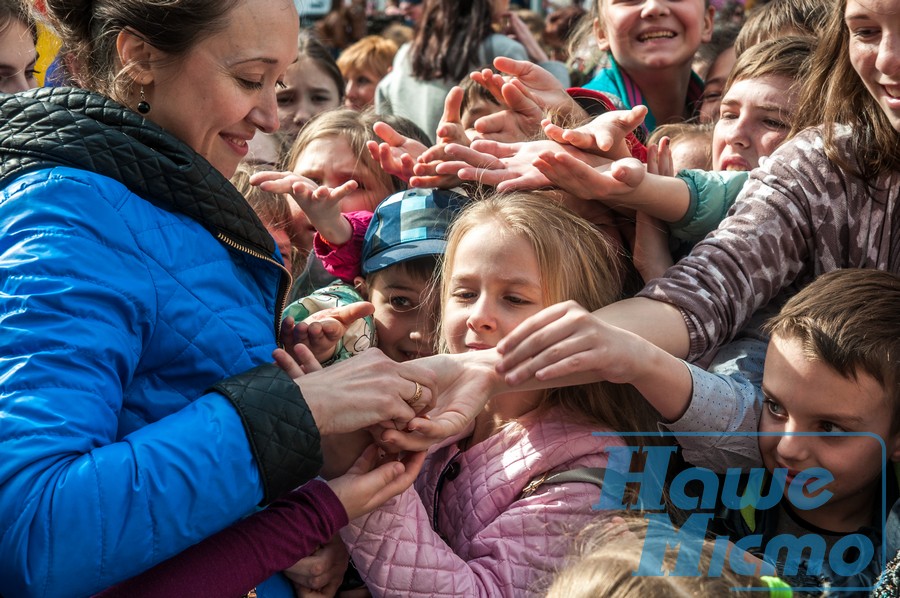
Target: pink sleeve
398	553
345	261
239	557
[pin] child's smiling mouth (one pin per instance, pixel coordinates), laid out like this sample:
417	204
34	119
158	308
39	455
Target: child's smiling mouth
658	34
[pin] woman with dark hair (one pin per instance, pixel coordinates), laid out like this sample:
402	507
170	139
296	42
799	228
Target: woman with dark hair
453	38
140	302
18	38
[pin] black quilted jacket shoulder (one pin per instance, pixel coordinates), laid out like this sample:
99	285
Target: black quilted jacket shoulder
75	128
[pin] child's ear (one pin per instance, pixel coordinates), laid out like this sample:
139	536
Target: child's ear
134	51
708	19
600	35
893	447
359	283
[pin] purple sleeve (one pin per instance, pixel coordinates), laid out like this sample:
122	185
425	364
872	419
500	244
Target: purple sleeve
345	261
239	557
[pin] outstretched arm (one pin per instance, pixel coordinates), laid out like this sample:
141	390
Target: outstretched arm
548	344
622	184
581	348
236	559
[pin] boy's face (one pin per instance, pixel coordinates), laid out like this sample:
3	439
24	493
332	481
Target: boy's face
404	317
754	119
646	35
809	396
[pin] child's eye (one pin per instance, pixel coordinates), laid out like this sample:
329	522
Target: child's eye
728	116
711	96
400	303
463	296
832	427
321	99
516	300
775	124
774	408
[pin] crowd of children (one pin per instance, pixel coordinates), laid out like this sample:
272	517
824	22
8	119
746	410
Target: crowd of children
695	255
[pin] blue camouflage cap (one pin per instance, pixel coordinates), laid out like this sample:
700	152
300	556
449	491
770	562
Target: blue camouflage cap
407	225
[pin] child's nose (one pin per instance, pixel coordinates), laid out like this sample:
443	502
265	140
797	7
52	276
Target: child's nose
481	316
792	449
654	8
738	132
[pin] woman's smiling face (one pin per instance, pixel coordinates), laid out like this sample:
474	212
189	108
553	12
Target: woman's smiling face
222	90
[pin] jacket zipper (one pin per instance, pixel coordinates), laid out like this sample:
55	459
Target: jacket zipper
283	289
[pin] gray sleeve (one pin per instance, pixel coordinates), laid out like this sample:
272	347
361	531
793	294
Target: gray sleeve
727	401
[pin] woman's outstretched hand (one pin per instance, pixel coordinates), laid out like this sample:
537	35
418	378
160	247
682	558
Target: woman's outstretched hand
465	382
367	390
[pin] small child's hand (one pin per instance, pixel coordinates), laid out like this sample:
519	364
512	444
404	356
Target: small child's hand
296	364
321	573
367	484
397	154
449	130
321	331
322	205
575	176
659	158
521	118
540	86
604	136
321	335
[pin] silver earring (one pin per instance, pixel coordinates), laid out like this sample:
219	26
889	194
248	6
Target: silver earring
143	106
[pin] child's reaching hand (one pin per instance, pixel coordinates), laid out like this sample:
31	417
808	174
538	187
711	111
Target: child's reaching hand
321	573
579	178
397	154
521	118
539	84
321	331
604	136
450	130
510	166
368	484
322	205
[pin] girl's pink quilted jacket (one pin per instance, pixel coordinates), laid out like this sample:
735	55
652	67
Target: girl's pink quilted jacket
494	542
